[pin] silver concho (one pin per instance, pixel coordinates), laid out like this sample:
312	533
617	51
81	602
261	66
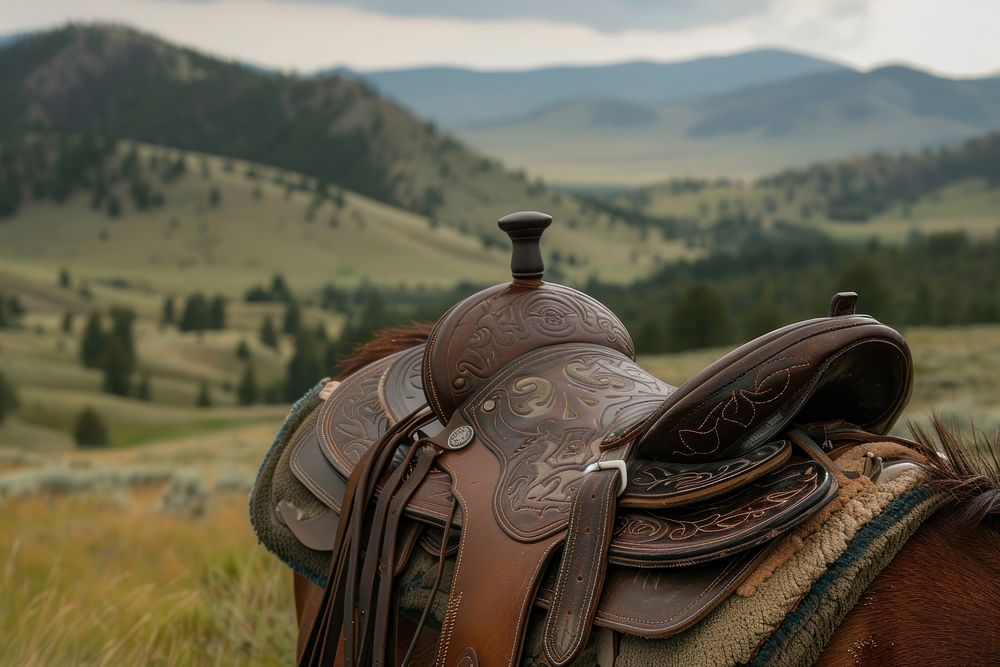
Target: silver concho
460	437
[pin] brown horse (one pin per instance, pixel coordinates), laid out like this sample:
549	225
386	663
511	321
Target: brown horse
937	603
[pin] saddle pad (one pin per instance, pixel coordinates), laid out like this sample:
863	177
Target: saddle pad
790	617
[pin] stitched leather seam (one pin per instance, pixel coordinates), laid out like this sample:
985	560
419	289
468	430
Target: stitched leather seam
641	623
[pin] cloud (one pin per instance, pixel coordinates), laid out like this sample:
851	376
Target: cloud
601	15
308	35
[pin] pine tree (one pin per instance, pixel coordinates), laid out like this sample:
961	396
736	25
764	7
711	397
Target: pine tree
8	397
268	336
204	399
117	366
292	321
195	316
92	344
67	322
90	430
698	319
243	351
64	279
217	314
279	289
304	368
865	278
167	315
121	329
246	391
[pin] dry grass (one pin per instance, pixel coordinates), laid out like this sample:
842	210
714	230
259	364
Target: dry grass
111	580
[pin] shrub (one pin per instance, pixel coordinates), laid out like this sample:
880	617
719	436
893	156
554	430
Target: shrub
90	429
185	496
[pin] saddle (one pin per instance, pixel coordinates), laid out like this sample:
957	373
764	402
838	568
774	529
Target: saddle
525	445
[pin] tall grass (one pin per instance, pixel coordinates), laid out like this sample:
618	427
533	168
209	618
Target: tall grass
88	581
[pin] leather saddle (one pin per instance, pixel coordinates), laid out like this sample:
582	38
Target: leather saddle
524	441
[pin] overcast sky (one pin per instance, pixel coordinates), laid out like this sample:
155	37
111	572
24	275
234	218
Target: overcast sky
956	37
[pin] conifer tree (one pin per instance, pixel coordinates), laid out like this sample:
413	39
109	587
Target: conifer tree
196	313
243	351
698	319
217	314
268	336
67	322
304	368
246	391
92	344
90	429
204	399
117	366
292	321
121	329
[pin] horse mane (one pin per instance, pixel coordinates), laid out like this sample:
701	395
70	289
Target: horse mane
966	468
383	343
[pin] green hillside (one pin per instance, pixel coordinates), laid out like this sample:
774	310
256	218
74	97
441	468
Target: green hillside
891	197
112	81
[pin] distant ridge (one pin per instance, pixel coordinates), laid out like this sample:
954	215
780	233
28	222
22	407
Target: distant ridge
454	96
744	133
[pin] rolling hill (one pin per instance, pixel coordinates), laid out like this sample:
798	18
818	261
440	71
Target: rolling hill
333	131
456	97
891	197
746	133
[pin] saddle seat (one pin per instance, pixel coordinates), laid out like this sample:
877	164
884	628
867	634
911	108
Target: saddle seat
524	440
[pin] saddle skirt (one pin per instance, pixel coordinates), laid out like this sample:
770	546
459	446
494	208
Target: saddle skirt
525	442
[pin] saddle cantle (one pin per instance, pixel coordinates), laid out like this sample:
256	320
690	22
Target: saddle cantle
524	440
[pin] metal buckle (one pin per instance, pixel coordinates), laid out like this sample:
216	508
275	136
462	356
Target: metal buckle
611	465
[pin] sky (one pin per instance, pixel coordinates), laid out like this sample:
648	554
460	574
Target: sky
957	37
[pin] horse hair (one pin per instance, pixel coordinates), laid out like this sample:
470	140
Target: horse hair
969	471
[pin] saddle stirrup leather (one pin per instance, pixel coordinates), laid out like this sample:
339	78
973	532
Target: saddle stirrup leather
523	440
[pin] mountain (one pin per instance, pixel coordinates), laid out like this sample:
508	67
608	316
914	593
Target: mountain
456	97
745	133
334	132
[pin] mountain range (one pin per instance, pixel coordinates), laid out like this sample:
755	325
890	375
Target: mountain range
456	97
743	115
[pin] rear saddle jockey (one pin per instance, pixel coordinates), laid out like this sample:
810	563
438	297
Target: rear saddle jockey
524	440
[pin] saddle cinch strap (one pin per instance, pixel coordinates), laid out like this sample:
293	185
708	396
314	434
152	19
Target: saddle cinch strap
565	466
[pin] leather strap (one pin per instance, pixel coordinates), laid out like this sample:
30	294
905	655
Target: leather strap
496	577
584	564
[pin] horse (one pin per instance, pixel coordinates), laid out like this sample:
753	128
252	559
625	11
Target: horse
937	602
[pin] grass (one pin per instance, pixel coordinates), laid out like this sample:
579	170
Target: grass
970	206
262	227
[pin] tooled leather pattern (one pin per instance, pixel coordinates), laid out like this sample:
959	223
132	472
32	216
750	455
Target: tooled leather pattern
401	389
740	409
766	501
478	339
544	417
663	478
353	417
